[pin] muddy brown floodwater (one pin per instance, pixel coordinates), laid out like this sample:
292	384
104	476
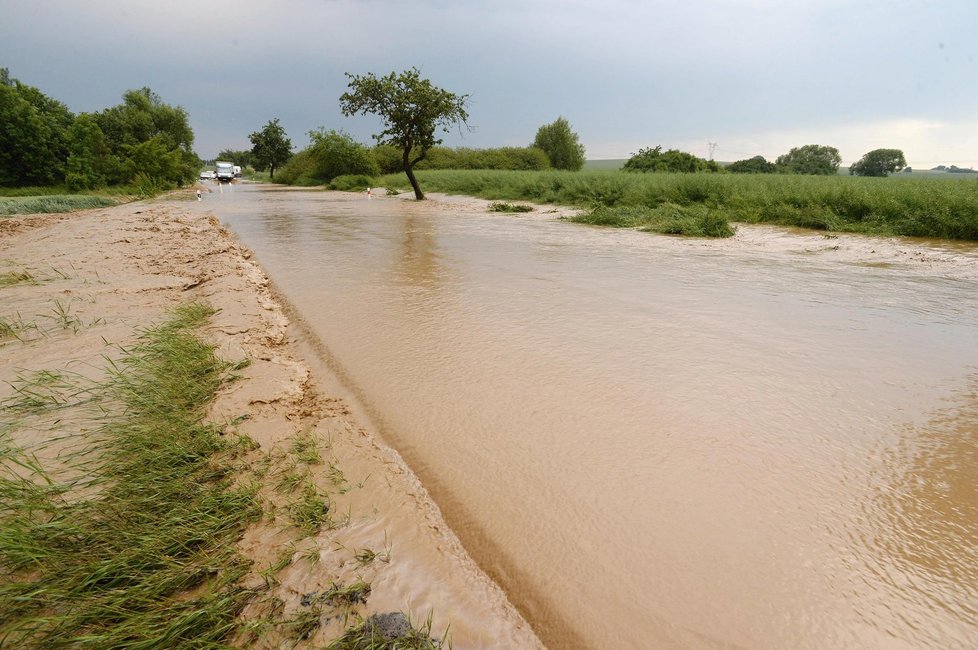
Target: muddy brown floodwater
769	441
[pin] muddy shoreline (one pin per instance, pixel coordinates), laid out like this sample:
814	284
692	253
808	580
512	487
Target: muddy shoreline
114	271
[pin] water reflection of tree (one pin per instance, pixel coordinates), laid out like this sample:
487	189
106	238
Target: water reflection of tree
419	261
926	540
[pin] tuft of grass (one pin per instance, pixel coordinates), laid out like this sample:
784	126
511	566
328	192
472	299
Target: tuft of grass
305	623
148	559
47	390
305	448
345	595
668	218
64	317
509	207
14	327
11	278
311	510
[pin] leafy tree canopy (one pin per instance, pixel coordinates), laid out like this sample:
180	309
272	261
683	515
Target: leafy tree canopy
561	145
879	162
411	110
270	147
33	134
755	165
810	159
240	158
336	153
90	161
150	139
673	160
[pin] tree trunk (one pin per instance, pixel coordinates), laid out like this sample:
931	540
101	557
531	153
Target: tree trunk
418	194
271	174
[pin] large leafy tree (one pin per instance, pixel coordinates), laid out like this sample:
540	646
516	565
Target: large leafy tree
561	145
90	161
411	109
270	147
149	139
33	134
812	159
879	162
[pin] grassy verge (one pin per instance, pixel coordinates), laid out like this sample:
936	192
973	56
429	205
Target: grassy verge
128	539
53	203
115	569
942	208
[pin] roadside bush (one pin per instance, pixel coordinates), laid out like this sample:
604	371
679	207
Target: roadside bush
299	170
335	153
352	183
331	154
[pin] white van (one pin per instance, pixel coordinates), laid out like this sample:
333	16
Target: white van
225	171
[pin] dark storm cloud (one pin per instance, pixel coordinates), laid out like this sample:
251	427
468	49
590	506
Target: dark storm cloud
755	75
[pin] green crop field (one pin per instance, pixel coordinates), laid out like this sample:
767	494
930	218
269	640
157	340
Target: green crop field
922	207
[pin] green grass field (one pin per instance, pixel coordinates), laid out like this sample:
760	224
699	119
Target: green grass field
944	208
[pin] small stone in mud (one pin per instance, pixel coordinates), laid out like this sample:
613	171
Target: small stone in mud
390	626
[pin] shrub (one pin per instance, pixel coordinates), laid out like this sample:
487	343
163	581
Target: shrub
755	165
300	165
335	153
351	183
673	160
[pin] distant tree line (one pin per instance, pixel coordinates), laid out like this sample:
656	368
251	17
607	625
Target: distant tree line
411	109
953	169
334	153
810	159
142	142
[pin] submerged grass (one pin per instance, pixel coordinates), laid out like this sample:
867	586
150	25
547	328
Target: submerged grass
499	206
926	207
115	569
10	278
668	218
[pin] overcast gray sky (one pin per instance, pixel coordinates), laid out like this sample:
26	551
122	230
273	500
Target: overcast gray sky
753	76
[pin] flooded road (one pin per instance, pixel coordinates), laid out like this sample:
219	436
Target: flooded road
649	442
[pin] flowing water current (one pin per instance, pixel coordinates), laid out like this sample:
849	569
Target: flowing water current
650	442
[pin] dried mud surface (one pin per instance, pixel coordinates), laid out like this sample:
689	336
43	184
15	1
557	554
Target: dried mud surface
102	275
